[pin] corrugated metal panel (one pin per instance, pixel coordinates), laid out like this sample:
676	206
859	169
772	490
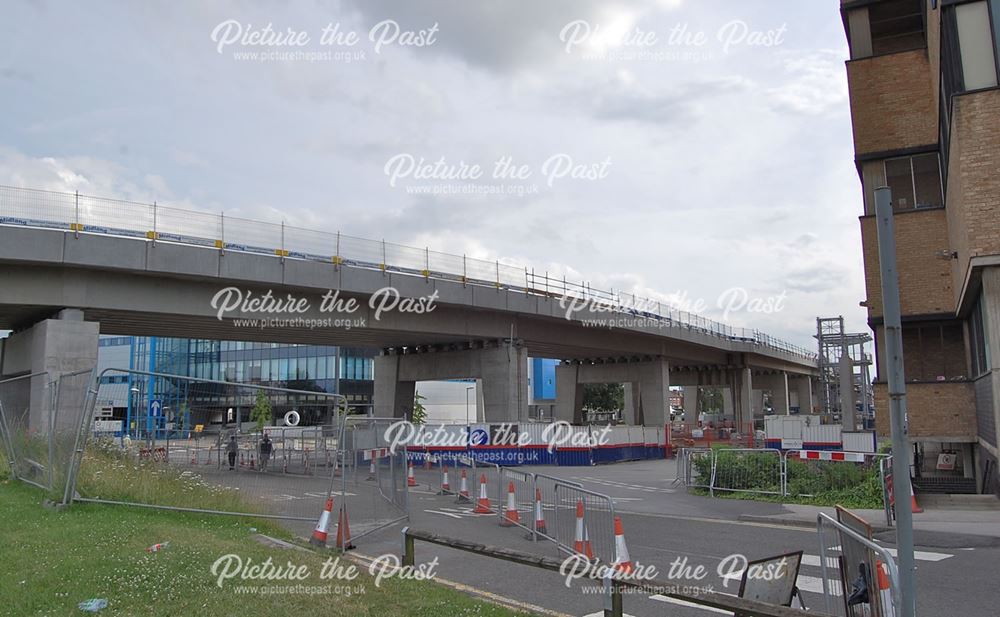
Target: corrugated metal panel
863	441
821	433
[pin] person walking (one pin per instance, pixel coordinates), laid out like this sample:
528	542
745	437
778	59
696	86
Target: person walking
232	448
266	447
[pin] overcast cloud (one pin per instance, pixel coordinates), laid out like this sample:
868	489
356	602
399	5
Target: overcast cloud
724	165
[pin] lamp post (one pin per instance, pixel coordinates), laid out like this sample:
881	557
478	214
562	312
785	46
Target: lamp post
134	393
469	388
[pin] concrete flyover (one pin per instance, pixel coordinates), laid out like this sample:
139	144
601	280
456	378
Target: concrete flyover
479	329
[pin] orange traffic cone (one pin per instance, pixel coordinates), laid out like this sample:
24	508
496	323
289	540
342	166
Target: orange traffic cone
251	461
581	543
884	593
914	507
511	515
410	480
344	531
463	491
445	486
539	516
371	470
319	533
483	507
623	562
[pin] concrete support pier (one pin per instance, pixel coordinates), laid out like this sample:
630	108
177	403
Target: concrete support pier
647	382
66	344
499	366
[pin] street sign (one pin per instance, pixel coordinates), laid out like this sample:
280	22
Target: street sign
155	407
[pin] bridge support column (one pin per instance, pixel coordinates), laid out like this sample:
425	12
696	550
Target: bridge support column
777	383
647	382
58	346
569	394
802	386
741	385
500	368
691	403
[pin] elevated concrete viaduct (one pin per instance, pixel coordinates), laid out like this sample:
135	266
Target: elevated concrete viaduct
59	289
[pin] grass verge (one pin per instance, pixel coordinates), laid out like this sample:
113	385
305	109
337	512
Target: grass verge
52	560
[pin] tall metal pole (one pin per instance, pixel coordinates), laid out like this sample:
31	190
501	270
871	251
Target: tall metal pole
897	398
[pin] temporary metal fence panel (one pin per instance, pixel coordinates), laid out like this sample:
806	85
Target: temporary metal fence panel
373	478
183	450
845	547
515	507
696	467
808	471
27	405
545	486
593	534
748	471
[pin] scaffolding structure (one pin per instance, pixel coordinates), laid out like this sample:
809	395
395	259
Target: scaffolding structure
844	359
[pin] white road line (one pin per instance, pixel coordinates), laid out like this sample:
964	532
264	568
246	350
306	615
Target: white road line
814	560
923	555
814	584
712	609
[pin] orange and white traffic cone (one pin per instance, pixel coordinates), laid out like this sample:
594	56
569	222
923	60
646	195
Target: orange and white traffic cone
539	516
914	506
371	470
511	515
251	461
884	593
463	490
623	562
410	480
483	506
344	531
445	486
319	533
581	542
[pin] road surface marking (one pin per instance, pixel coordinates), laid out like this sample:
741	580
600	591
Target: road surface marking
668	599
923	555
814	584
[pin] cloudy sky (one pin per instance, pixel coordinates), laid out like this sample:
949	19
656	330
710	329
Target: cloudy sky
675	148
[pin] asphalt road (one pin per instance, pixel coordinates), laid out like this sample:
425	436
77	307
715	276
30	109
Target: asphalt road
664	527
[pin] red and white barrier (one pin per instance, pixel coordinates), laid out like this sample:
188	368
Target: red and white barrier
825	455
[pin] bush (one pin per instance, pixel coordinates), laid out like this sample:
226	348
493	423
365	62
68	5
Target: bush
817	483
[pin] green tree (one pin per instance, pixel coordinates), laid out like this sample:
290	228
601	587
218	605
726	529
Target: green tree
711	399
604	396
419	414
261	412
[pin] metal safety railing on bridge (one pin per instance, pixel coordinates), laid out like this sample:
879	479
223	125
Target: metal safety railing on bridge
80	213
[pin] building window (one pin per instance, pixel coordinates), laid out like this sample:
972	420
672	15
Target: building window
934	352
979	349
885	28
970	44
915	181
976	44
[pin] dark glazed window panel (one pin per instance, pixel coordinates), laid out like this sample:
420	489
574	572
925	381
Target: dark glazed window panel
927	180
899	178
896	25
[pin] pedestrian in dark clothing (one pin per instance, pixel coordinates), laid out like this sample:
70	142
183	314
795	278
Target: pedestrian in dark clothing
266	447
232	448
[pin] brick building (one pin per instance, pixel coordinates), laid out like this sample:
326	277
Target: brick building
925	105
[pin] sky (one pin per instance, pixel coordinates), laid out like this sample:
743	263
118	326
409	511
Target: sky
693	151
